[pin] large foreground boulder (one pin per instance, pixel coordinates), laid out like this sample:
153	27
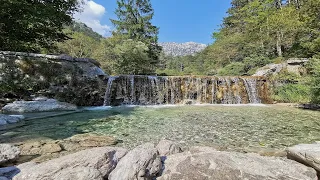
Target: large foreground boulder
141	163
207	163
93	164
38	106
8	153
308	154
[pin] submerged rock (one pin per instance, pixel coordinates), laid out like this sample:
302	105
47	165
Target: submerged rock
49	149
92	140
8	153
93	164
8	173
207	163
308	154
38	106
38	148
141	163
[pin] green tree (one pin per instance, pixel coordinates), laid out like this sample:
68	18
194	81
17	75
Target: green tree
79	45
83	28
105	54
134	22
33	24
132	58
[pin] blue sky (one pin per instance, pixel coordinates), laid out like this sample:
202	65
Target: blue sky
179	20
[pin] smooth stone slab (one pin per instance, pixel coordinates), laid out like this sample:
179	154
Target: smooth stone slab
308	154
207	163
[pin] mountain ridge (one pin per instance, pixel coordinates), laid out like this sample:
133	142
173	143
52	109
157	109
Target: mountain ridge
182	49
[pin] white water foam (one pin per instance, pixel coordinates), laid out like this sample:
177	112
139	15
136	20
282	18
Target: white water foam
97	108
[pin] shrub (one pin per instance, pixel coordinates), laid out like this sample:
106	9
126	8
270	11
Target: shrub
233	69
292	93
315	82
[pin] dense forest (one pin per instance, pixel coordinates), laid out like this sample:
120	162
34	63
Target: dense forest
254	33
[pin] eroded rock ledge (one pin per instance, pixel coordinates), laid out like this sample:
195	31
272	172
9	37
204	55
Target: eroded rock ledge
74	80
146	163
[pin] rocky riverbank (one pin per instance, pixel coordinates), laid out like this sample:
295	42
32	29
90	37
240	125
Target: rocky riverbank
39	104
166	161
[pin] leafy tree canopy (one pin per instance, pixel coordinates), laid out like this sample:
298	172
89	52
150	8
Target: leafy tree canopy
29	25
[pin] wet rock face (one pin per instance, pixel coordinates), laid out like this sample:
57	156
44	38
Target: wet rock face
207	163
93	164
8	153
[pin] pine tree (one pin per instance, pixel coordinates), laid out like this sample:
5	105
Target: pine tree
134	22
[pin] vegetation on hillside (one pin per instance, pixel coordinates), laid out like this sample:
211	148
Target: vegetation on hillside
255	33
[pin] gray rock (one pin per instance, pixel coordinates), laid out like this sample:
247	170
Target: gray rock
308	154
38	106
297	61
9	119
3	122
91	70
40	98
293	65
269	69
93	164
8	152
166	147
207	163
8	172
21	117
141	163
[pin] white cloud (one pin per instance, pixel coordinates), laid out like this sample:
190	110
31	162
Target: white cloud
91	15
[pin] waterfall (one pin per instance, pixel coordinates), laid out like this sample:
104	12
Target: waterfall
132	89
154	90
108	91
251	87
213	90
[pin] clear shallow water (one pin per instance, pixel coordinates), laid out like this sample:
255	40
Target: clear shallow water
232	127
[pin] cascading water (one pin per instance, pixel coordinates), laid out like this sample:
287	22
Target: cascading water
108	91
251	87
155	90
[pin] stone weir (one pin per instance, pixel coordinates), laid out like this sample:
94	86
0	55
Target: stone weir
158	90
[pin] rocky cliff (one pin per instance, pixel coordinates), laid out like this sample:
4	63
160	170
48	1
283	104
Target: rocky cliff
182	49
